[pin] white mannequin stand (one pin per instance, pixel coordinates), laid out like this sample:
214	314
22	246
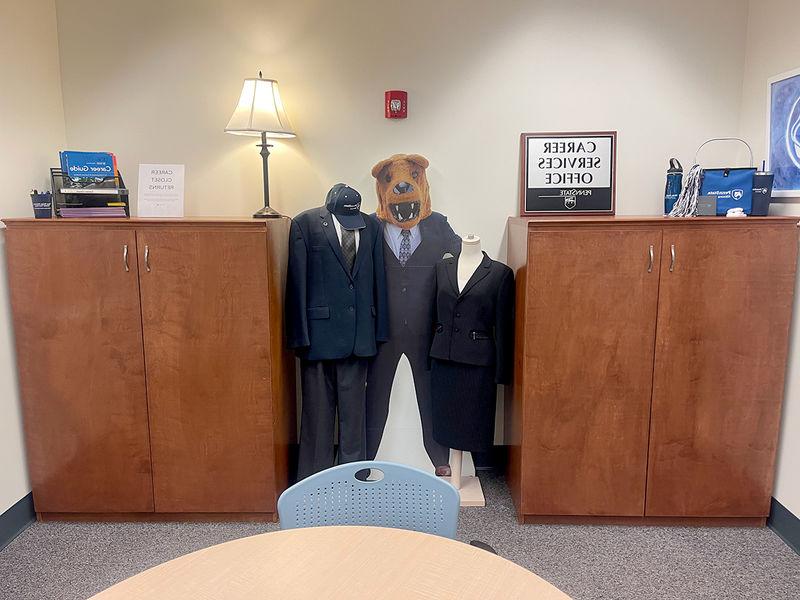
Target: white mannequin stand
468	487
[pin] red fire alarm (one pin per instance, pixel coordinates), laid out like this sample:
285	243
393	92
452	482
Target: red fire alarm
396	104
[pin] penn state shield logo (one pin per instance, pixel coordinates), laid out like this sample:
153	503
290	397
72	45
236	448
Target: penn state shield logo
737	194
570	202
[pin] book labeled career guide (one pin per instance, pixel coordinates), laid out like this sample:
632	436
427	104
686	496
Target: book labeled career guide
88	165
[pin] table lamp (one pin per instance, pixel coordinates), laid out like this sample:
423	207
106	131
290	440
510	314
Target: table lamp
260	112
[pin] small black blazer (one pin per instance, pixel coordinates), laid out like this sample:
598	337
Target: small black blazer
476	326
332	313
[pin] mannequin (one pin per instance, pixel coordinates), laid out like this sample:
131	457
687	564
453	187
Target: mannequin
469	260
471	354
469	487
335	317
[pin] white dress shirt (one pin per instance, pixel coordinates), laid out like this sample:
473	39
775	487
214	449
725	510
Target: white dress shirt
393	236
338	227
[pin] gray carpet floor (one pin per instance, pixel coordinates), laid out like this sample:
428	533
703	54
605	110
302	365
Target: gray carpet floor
70	561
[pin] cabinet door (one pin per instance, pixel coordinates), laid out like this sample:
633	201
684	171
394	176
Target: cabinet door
81	368
723	325
204	307
589	363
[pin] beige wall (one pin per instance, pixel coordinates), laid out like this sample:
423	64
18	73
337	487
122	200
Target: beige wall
477	73
773	47
32	132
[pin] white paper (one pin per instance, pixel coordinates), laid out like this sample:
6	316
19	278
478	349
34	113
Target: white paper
160	190
587	165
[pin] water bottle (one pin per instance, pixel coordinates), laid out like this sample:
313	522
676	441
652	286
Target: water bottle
674	182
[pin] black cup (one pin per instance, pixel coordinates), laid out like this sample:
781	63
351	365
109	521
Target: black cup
42	205
762	193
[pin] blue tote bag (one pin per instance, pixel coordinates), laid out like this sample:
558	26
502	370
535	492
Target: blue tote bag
732	187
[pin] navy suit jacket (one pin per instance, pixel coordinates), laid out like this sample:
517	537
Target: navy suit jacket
332	313
412	289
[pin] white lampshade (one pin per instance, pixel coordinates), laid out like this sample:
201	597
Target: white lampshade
260	110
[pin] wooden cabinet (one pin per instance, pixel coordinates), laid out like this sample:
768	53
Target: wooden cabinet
153	382
723	319
649	369
593	290
81	368
205	317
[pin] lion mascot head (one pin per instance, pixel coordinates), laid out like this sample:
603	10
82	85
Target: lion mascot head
403	193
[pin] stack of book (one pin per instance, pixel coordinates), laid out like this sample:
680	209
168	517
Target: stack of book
89	185
86	168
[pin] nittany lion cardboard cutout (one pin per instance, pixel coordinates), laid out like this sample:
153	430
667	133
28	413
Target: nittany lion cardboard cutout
415	238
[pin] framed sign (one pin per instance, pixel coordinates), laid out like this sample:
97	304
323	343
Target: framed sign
783	135
568	173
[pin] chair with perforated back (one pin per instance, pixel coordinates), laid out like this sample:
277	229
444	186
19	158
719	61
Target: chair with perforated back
404	498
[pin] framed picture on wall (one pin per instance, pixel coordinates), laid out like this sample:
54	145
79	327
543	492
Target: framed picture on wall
568	173
783	135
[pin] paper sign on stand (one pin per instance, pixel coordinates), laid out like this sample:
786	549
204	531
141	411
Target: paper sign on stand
161	190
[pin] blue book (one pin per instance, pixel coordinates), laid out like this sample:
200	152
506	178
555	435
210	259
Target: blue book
82	166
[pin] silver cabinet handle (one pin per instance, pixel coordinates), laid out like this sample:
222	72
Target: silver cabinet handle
147	258
672	258
652	257
125	257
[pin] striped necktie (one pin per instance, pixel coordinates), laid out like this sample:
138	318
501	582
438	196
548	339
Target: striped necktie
405	247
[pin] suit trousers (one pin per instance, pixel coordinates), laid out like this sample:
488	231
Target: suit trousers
328	386
379	389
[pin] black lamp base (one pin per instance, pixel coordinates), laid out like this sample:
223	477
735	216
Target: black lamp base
267	213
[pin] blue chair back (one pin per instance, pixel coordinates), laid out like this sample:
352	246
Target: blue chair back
406	498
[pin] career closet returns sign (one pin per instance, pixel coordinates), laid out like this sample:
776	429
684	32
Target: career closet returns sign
568	172
160	190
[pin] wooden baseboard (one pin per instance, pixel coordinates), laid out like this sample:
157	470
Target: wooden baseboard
651	521
158	517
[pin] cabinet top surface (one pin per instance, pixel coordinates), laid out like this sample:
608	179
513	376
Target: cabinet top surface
579	221
139	222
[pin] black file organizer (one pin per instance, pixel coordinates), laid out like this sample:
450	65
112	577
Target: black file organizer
98	192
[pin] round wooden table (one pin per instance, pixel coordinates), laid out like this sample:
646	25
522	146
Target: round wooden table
336	562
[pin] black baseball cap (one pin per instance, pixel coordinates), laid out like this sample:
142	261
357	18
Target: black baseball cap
345	202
